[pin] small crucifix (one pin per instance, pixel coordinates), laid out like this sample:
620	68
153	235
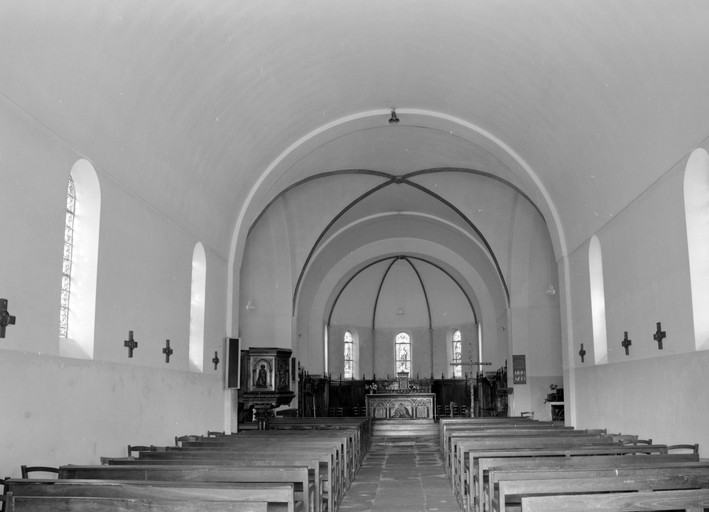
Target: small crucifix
659	335
167	351
215	359
626	343
5	317
582	352
130	343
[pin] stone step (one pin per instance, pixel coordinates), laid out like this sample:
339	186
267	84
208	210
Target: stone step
405	428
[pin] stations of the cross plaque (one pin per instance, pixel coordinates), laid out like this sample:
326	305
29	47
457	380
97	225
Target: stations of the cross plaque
626	343
215	359
5	317
582	353
167	351
659	335
130	343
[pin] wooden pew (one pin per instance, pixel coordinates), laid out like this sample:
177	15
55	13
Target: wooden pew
452	435
362	425
332	450
460	446
84	504
304	490
276	497
600	480
494	470
690	500
272	459
445	423
349	464
328	490
475	479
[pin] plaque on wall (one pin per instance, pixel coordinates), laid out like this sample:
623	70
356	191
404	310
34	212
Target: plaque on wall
519	367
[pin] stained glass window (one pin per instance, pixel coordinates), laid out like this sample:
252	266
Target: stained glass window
67	260
457	354
403	353
349	355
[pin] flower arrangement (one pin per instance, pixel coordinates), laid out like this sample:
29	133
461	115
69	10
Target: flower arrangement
372	388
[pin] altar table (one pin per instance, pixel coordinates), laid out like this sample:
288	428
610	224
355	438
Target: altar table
401	405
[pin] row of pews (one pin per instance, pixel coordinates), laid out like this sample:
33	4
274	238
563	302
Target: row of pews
505	464
298	465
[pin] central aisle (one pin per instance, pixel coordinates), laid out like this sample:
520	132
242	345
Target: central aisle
401	473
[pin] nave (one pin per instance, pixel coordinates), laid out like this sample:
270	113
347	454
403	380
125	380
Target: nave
401	473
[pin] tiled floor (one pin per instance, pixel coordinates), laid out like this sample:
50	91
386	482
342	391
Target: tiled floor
401	475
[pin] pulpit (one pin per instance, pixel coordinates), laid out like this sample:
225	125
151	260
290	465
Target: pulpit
265	381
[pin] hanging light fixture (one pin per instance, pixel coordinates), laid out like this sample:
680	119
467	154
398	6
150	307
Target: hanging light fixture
393	119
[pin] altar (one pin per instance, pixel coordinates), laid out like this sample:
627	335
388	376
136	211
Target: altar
401	405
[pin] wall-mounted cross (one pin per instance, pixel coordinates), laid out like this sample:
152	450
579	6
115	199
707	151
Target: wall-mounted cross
5	317
167	351
659	335
215	359
626	343
130	343
582	352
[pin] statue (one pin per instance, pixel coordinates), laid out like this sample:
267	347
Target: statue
262	379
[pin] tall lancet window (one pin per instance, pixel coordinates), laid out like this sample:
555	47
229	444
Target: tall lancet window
197	300
457	354
403	353
77	313
349	355
68	259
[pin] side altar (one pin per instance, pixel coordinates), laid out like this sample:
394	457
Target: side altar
401	405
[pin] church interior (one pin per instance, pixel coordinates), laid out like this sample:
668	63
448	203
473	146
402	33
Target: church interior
529	180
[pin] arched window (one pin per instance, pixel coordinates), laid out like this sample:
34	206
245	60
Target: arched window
403	352
67	259
349	355
199	285
77	315
598	301
696	208
457	352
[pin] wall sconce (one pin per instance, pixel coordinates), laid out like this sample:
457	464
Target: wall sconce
551	290
250	306
393	119
399	311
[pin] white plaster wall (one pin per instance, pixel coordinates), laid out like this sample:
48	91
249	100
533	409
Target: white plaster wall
61	410
69	411
658	394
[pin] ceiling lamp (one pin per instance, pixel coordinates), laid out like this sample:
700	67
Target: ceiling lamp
393	119
399	311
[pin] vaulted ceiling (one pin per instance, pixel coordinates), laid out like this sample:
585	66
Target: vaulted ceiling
210	109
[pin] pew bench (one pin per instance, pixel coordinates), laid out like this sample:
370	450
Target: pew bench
326	477
272	459
276	497
304	490
510	492
330	451
86	504
462	447
690	500
473	481
494	470
349	464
